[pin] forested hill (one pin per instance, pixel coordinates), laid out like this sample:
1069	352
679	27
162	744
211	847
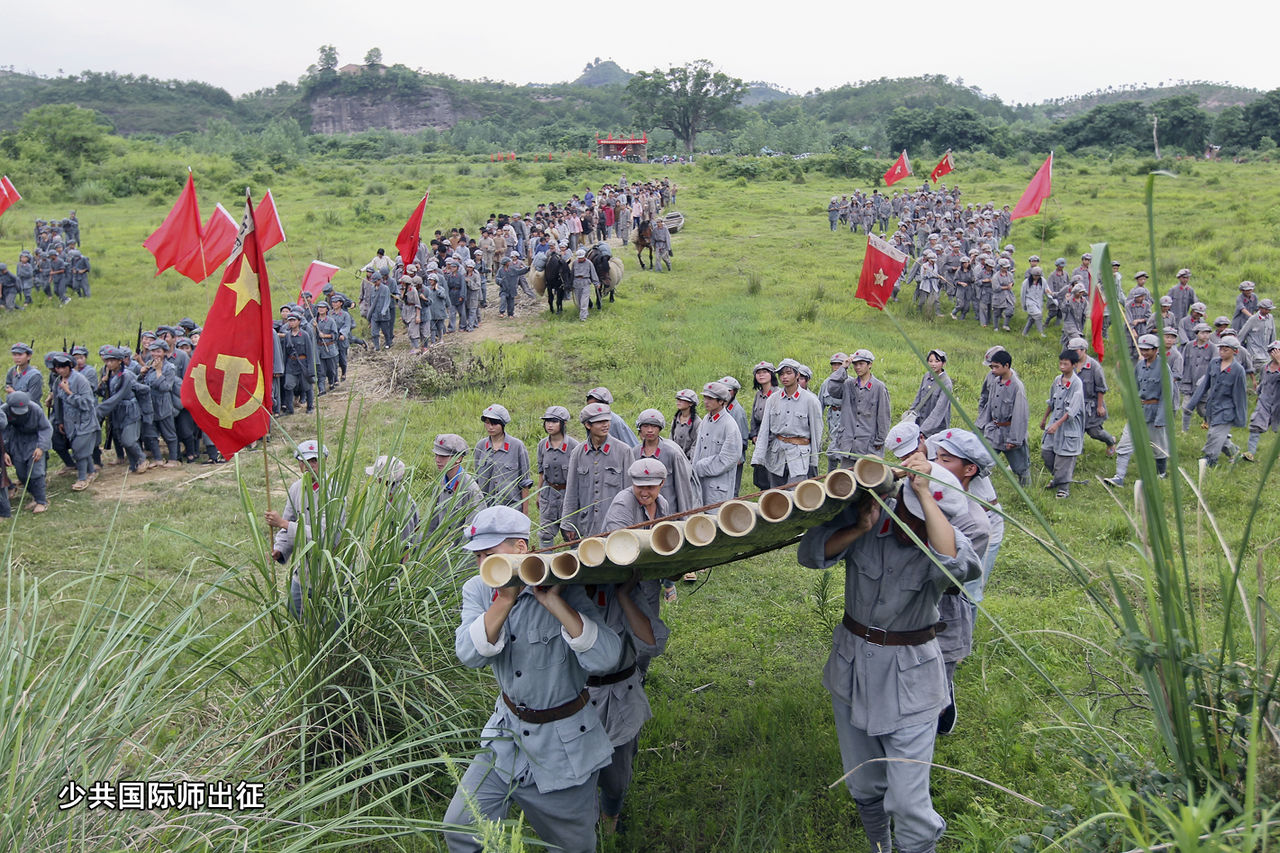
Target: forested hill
926	114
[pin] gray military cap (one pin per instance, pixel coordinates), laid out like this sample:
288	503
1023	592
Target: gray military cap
1199	307
449	444
688	395
1140	274
1079	287
1087	256
765	365
497	412
1222	320
1274	345
1060	262
986	358
791	363
1035	271
647	472
1202	327
731	383
601	394
18	402
20	347
1139	292
806	371
966	445
652	417
556	413
903	439
716	391
863	355
1266	303
496	525
839	358
1148	342
1229	341
1247	285
1183	273
1166	301
1077	343
1169	330
387	468
593	412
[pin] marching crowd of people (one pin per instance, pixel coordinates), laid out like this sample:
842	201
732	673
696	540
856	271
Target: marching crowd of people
55	266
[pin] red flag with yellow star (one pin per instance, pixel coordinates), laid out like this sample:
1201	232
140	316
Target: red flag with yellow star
881	267
227	389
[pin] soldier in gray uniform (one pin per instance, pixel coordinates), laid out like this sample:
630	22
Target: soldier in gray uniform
553	472
1257	334
790	430
1266	412
161	376
1033	300
831	405
325	330
1002	295
661	245
1197	355
1149	375
381	313
1246	305
685	421
1074	313
585	277
543	746
344	324
1004	415
299	350
9	288
931	409
309	505
1057	289
26	273
120	405
679	486
718	449
22	376
437	309
78	268
865	414
735	410
885	672
28	438
1094	382
1187	324
596	474
1063	440
617	426
459	497
1222	390
1182	294
502	462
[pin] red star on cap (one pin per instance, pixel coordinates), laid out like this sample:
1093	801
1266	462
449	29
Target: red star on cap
473	530
937	496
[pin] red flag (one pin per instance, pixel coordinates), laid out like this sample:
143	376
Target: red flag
267	220
899	170
318	275
179	235
216	241
1102	252
881	267
228	388
1036	192
410	235
9	195
944	167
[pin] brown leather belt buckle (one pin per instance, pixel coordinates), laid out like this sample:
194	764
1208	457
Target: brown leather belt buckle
871	638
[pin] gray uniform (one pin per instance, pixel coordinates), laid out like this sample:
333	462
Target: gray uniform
685	434
1266	412
1223	393
584	278
29	380
548	769
121	406
932	405
1196	359
887	698
715	457
304	519
1060	449
553	466
503	471
458	500
596	474
797	416
1257	332
1094	382
22	435
864	416
1151	396
1004	417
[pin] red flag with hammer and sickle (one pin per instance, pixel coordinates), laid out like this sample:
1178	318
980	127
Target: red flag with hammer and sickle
228	387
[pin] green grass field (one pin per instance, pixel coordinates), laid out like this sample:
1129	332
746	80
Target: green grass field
741	751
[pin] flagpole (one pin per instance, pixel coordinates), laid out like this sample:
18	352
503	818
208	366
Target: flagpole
266	467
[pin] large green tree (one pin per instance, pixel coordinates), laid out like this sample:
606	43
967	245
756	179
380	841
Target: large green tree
685	99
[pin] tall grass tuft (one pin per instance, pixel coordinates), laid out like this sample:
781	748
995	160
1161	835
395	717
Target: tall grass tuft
349	718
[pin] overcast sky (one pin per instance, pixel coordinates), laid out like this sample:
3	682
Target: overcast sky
1021	52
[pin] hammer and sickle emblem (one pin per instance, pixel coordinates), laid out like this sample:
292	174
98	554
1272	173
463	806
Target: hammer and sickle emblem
225	408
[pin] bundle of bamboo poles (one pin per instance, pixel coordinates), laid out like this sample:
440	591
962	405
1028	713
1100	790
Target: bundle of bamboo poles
699	539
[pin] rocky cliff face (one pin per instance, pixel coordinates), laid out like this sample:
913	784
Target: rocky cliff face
354	113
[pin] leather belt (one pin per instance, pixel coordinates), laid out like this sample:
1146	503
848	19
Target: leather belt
611	678
881	637
559	488
1150	402
1002	423
951	590
798	440
548	715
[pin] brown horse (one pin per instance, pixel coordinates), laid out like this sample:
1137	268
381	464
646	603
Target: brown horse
643	238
